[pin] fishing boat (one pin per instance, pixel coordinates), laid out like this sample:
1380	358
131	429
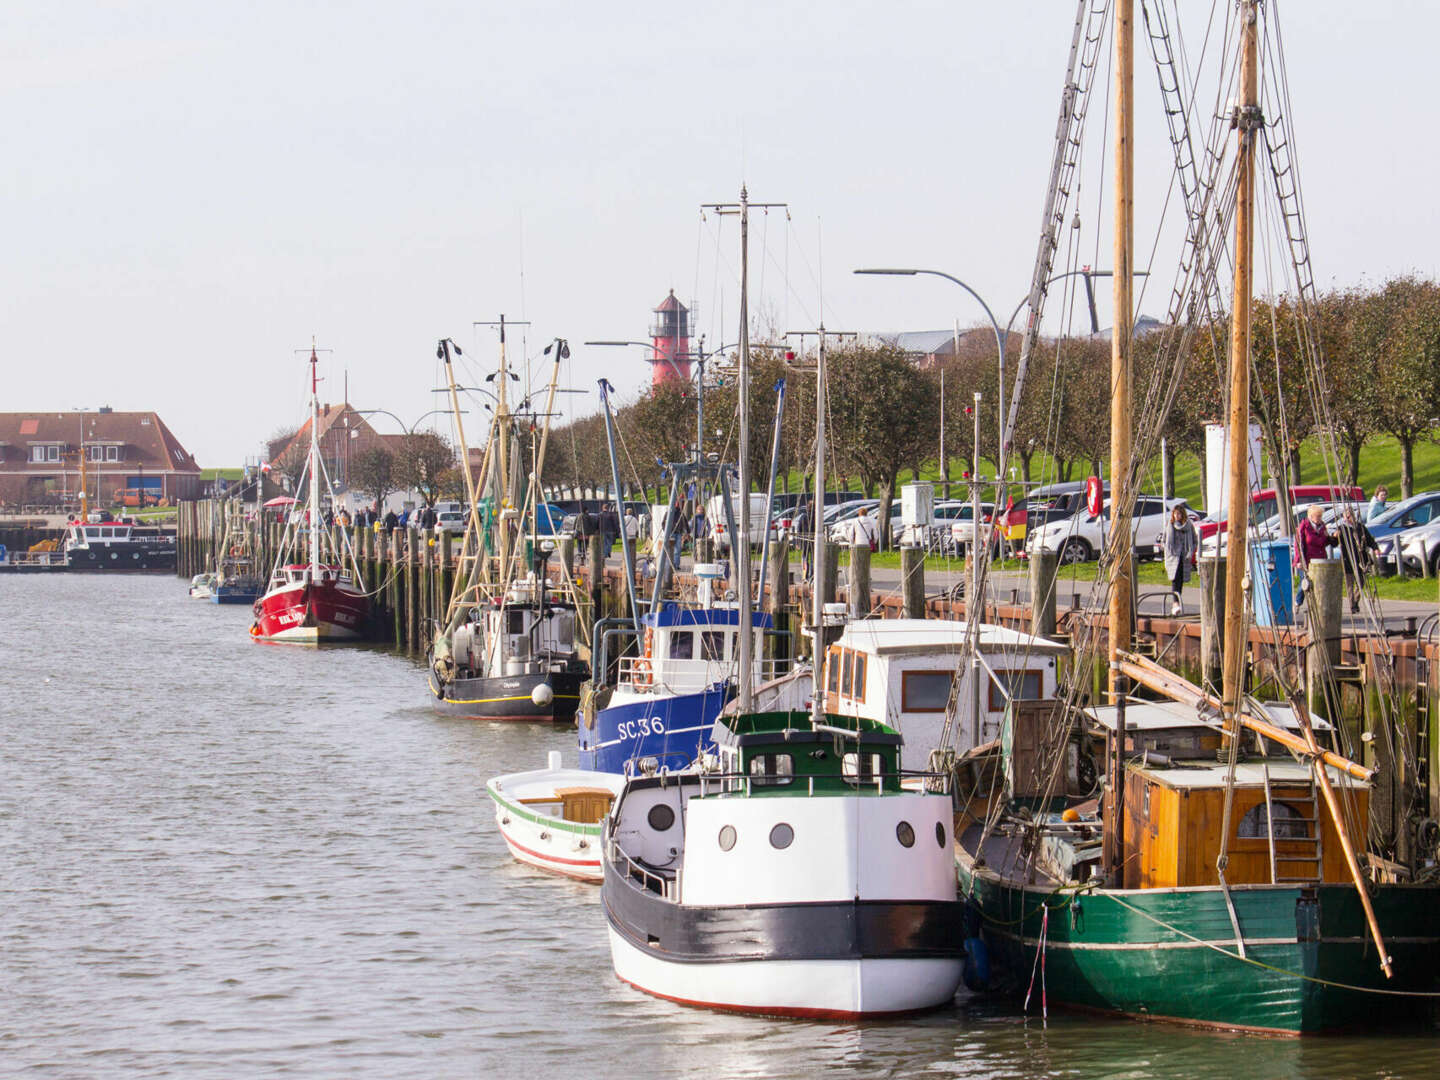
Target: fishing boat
797	877
202	586
508	648
117	545
551	818
236	578
322	599
1229	875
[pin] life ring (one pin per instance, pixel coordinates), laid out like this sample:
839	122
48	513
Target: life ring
235	551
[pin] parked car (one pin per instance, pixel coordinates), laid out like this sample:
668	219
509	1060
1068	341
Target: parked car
1419	548
962	530
450	521
1052	502
1266	503
1081	537
760	519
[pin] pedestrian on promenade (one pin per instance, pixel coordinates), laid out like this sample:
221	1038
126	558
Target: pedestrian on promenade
1311	542
609	529
1377	503
1180	544
1357	551
584	530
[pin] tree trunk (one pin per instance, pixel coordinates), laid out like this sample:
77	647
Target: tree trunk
1407	465
887	496
1352	447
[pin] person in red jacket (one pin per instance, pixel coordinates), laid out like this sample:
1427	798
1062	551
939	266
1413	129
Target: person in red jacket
1311	542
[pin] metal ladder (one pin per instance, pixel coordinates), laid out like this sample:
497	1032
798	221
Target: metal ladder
1312	858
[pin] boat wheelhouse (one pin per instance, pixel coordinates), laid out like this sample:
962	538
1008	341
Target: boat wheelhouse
115	545
664	701
799	877
904	672
303	606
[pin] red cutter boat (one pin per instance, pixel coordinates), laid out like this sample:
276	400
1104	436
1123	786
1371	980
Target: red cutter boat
321	599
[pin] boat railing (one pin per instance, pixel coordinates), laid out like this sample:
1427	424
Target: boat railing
664	674
36	558
909	781
638	872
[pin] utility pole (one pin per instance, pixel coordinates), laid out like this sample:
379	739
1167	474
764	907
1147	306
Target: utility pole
741	543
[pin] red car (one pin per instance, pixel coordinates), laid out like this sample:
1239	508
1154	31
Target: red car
1265	503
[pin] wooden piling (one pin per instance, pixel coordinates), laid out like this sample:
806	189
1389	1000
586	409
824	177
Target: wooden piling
1043	565
1212	622
912	582
1327	594
859	591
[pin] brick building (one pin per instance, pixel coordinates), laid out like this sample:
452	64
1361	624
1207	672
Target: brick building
40	457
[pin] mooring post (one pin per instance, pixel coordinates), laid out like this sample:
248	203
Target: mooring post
912	582
567	555
1327	593
1043	565
859	593
397	614
413	540
825	570
1212	621
596	571
779	570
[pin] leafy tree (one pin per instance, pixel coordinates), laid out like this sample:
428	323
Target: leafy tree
1400	329
373	474
884	412
421	463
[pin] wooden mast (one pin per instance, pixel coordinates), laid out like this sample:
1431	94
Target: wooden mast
1247	122
1121	337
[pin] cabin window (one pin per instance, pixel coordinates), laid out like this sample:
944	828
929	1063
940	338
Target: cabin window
845	667
862	768
712	644
727	837
857	676
832	672
925	691
1017	685
782	836
515	621
682	645
661	817
771	769
93	533
1289	823
905	833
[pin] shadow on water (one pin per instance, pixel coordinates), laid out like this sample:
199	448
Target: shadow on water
227	860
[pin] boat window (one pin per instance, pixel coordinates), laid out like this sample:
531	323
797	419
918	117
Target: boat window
93	532
940	834
782	836
1018	685
846	667
857	677
925	691
682	645
661	817
727	838
712	644
515	621
771	769
832	671
1289	823
862	768
905	833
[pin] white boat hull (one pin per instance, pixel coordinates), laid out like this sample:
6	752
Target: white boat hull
553	848
534	811
818	989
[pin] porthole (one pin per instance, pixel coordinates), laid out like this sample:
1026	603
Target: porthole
781	836
661	817
940	835
905	834
727	838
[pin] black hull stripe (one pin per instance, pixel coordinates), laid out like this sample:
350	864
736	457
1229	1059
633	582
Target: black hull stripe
824	930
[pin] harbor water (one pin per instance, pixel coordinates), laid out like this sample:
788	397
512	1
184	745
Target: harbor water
223	859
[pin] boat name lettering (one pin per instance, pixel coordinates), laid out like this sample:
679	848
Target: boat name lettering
638	729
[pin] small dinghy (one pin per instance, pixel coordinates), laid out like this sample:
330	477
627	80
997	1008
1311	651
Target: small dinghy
550	818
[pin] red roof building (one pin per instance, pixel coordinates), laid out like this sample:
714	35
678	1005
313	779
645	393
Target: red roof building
40	457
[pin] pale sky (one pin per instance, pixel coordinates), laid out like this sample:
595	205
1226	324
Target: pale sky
194	190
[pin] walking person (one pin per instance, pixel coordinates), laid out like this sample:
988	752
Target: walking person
609	529
863	530
1377	503
584	530
631	525
1311	542
1180	543
1357	552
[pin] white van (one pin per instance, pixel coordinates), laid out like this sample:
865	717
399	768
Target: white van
720	527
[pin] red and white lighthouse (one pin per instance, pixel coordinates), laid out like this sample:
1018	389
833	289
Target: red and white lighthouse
670	342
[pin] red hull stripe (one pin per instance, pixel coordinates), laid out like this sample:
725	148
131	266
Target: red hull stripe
791	1011
595	862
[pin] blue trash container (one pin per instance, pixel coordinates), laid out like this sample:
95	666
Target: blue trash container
1272	585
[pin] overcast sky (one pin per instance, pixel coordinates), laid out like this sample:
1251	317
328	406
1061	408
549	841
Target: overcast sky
194	190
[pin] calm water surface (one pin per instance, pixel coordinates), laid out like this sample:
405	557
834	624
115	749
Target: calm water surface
221	859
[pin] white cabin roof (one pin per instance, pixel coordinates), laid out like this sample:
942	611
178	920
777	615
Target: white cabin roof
882	637
1248	774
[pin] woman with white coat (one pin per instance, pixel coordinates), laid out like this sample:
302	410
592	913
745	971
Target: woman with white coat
1179	543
